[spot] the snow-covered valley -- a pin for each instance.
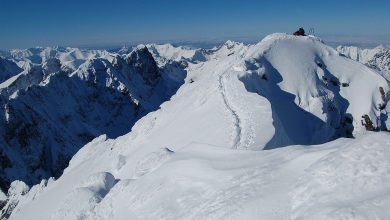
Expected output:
(283, 129)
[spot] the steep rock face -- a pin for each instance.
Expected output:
(8, 69)
(143, 62)
(49, 112)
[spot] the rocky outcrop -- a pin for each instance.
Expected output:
(143, 62)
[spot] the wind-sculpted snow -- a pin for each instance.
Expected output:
(200, 155)
(349, 183)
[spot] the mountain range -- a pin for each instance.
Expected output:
(288, 128)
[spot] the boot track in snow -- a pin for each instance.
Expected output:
(236, 119)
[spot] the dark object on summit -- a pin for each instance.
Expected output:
(300, 32)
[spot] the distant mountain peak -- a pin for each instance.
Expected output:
(192, 134)
(143, 62)
(377, 58)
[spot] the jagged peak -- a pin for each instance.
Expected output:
(142, 60)
(140, 55)
(140, 51)
(140, 47)
(97, 63)
(231, 44)
(92, 66)
(117, 59)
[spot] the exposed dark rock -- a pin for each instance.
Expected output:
(383, 95)
(368, 123)
(8, 69)
(143, 62)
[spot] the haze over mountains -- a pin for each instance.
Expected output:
(287, 128)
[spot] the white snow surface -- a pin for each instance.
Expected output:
(200, 155)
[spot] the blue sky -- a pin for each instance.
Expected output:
(27, 23)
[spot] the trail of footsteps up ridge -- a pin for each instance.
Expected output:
(236, 118)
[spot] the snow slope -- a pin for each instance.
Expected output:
(194, 158)
(343, 179)
(336, 92)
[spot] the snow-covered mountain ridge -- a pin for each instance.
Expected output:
(70, 58)
(49, 111)
(200, 155)
(377, 58)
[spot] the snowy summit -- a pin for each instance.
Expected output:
(288, 128)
